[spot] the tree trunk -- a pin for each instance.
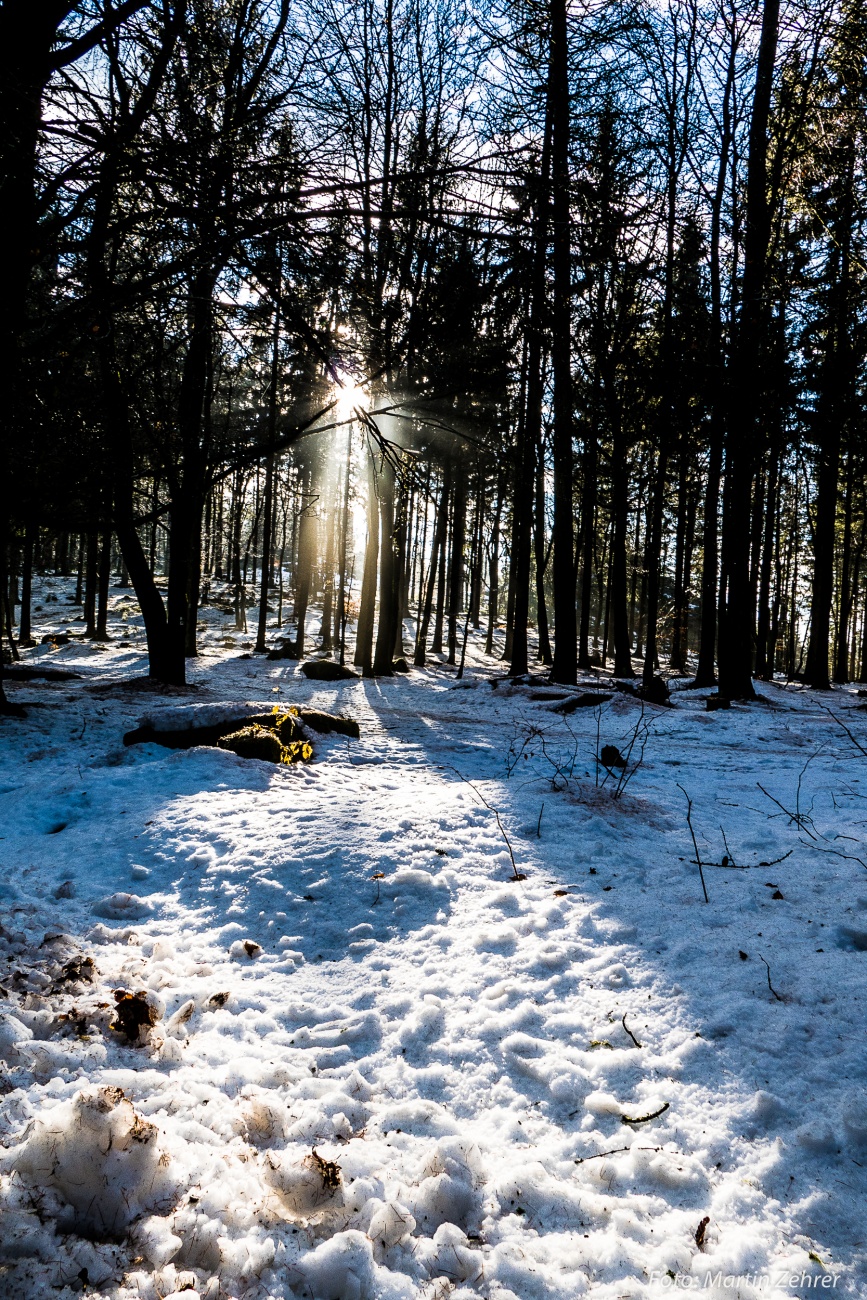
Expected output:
(389, 596)
(367, 609)
(104, 577)
(25, 637)
(91, 582)
(736, 629)
(456, 575)
(565, 666)
(494, 570)
(440, 528)
(268, 525)
(540, 553)
(340, 620)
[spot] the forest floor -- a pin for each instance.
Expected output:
(588, 1080)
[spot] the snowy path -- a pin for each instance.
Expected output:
(457, 1047)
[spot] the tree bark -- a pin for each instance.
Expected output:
(367, 609)
(744, 387)
(565, 666)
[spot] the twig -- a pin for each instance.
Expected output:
(770, 985)
(730, 857)
(806, 825)
(642, 730)
(729, 864)
(618, 1151)
(516, 874)
(642, 1119)
(628, 1030)
(539, 823)
(698, 860)
(800, 819)
(839, 723)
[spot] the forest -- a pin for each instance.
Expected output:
(544, 319)
(433, 638)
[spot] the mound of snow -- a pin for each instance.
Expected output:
(449, 1189)
(102, 1158)
(123, 907)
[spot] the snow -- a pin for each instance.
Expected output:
(385, 1068)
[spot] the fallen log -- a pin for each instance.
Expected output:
(288, 726)
(589, 700)
(24, 673)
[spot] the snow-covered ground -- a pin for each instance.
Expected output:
(434, 1079)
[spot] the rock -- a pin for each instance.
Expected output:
(284, 651)
(656, 692)
(253, 742)
(326, 670)
(325, 723)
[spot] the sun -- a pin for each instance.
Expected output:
(350, 398)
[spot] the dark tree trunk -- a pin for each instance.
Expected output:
(541, 557)
(565, 666)
(494, 570)
(618, 585)
(653, 565)
(367, 609)
(834, 408)
(25, 637)
(401, 536)
(340, 618)
(738, 616)
(677, 658)
(456, 575)
(530, 416)
(268, 526)
(91, 580)
(764, 645)
(437, 547)
(436, 645)
(104, 577)
(389, 594)
(306, 548)
(589, 491)
(844, 611)
(328, 581)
